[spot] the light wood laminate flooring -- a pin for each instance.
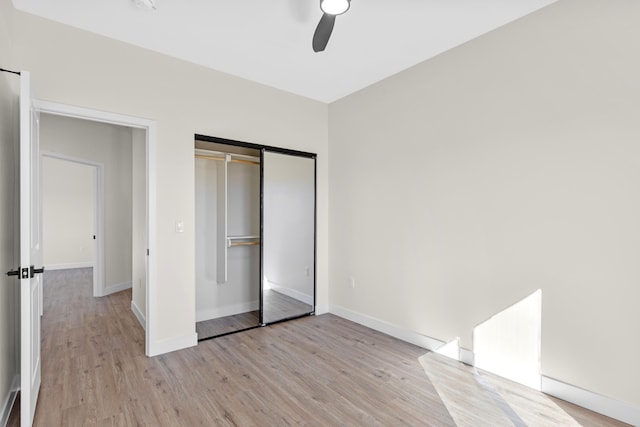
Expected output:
(315, 371)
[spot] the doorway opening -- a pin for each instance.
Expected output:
(137, 223)
(72, 215)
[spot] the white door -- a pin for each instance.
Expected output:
(30, 254)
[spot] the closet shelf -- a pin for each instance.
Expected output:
(242, 241)
(231, 244)
(228, 157)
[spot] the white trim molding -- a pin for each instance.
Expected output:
(613, 408)
(9, 400)
(68, 266)
(322, 309)
(424, 341)
(112, 289)
(139, 315)
(395, 331)
(168, 345)
(467, 356)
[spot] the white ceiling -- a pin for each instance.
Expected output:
(269, 41)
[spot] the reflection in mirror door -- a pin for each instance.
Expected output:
(288, 236)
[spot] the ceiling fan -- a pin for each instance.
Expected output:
(330, 9)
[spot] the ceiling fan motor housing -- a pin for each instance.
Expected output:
(335, 7)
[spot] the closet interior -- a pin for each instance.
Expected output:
(255, 235)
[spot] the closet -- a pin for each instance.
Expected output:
(255, 221)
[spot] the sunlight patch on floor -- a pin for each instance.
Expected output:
(474, 397)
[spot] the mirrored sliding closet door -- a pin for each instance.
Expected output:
(255, 220)
(288, 235)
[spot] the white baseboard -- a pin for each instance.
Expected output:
(9, 400)
(450, 349)
(292, 293)
(172, 344)
(229, 310)
(424, 341)
(466, 356)
(622, 411)
(322, 309)
(395, 331)
(112, 289)
(138, 313)
(68, 266)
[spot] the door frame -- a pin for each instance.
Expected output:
(98, 216)
(150, 128)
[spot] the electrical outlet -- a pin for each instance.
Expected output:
(352, 282)
(306, 271)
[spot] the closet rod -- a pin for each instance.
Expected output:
(222, 154)
(248, 162)
(221, 159)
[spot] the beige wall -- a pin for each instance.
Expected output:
(110, 146)
(9, 84)
(79, 68)
(509, 164)
(68, 198)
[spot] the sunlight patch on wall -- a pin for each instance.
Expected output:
(508, 343)
(450, 349)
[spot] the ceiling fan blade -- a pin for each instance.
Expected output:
(323, 32)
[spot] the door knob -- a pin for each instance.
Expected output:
(22, 273)
(15, 272)
(33, 271)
